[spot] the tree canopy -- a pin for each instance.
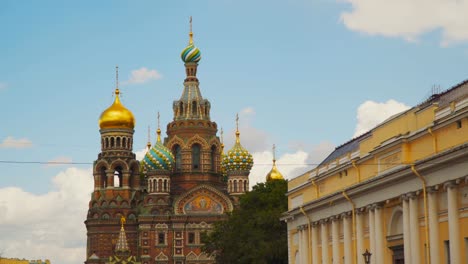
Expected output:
(253, 232)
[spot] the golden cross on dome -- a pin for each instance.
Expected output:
(149, 138)
(237, 121)
(191, 33)
(158, 119)
(274, 153)
(117, 91)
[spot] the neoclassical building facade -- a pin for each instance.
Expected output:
(181, 187)
(399, 191)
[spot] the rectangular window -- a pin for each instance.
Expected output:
(161, 238)
(466, 246)
(191, 238)
(447, 251)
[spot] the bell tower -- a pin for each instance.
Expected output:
(116, 181)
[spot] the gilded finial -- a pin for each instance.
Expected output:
(237, 128)
(274, 154)
(122, 221)
(159, 129)
(148, 144)
(190, 33)
(117, 92)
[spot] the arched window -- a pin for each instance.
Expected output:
(194, 108)
(235, 186)
(181, 108)
(176, 151)
(118, 177)
(112, 142)
(196, 156)
(159, 185)
(124, 142)
(165, 186)
(107, 142)
(213, 158)
(118, 142)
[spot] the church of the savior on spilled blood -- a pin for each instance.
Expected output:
(154, 210)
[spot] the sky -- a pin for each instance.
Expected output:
(306, 75)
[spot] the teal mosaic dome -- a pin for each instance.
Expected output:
(190, 54)
(237, 158)
(158, 157)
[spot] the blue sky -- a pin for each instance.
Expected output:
(298, 72)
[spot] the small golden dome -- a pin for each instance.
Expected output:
(116, 116)
(274, 174)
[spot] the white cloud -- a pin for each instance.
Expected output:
(140, 154)
(289, 164)
(409, 19)
(47, 225)
(11, 142)
(58, 161)
(317, 153)
(143, 75)
(370, 114)
(3, 86)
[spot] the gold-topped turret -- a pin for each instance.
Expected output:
(274, 174)
(117, 116)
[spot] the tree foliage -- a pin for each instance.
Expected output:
(253, 232)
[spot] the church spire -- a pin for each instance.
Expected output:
(122, 244)
(191, 104)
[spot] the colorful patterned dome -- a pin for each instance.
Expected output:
(190, 54)
(237, 158)
(116, 116)
(158, 157)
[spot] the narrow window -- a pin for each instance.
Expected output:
(196, 156)
(459, 124)
(191, 238)
(181, 108)
(112, 142)
(118, 142)
(194, 108)
(161, 238)
(176, 151)
(165, 186)
(213, 158)
(235, 186)
(124, 142)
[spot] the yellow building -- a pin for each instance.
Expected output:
(399, 191)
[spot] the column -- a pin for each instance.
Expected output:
(110, 179)
(379, 240)
(372, 234)
(305, 245)
(347, 237)
(433, 225)
(360, 236)
(406, 229)
(414, 229)
(453, 222)
(336, 240)
(314, 239)
(324, 237)
(301, 245)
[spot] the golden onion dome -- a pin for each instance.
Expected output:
(274, 174)
(117, 116)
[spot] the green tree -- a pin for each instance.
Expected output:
(253, 232)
